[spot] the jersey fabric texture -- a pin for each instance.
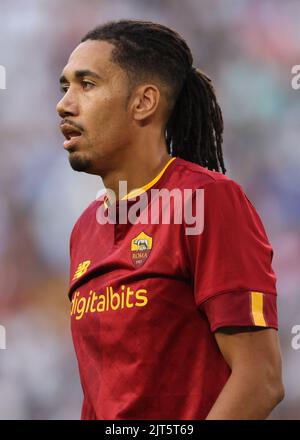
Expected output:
(146, 299)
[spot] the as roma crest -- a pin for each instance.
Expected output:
(141, 247)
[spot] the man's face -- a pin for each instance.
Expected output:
(95, 120)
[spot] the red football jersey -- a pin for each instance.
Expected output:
(146, 299)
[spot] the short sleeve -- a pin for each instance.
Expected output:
(231, 261)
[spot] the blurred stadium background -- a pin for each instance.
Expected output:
(248, 47)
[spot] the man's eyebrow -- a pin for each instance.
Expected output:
(79, 74)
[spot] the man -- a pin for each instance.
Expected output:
(166, 324)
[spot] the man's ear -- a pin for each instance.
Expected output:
(145, 101)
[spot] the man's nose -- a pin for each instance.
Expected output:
(67, 105)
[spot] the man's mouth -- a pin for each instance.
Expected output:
(71, 133)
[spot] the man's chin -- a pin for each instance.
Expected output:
(79, 163)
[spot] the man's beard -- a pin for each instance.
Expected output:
(79, 162)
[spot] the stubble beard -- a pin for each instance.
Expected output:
(79, 162)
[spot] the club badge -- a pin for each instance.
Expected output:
(141, 247)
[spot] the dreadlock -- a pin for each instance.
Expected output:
(194, 126)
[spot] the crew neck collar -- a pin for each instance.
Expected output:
(154, 183)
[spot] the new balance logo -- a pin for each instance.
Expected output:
(81, 269)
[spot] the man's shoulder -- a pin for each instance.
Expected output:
(191, 175)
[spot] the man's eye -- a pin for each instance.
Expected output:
(64, 88)
(87, 85)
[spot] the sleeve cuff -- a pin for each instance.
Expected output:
(241, 308)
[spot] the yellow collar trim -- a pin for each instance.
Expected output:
(138, 191)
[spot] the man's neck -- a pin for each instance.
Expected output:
(136, 172)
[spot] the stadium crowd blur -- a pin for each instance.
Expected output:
(248, 48)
